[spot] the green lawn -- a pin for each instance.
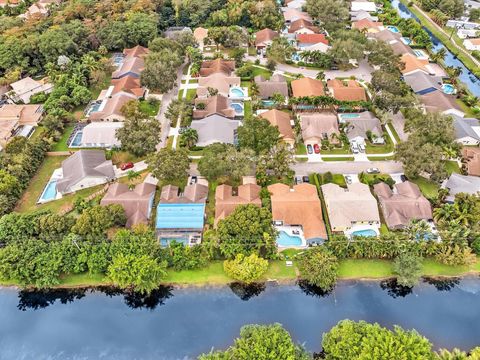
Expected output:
(248, 111)
(427, 187)
(62, 145)
(452, 167)
(380, 149)
(384, 229)
(148, 108)
(191, 93)
(343, 158)
(169, 142)
(364, 268)
(301, 149)
(263, 72)
(336, 151)
(369, 179)
(394, 132)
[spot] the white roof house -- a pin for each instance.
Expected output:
(367, 6)
(101, 135)
(23, 89)
(460, 24)
(472, 44)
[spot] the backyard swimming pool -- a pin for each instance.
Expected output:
(393, 29)
(49, 193)
(347, 116)
(238, 108)
(286, 240)
(237, 92)
(448, 89)
(77, 139)
(268, 103)
(366, 232)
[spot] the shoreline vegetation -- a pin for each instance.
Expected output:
(213, 274)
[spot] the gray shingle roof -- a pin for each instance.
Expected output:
(420, 81)
(463, 127)
(215, 129)
(457, 183)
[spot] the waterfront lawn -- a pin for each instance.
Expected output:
(365, 268)
(213, 274)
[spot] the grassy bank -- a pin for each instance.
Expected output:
(214, 274)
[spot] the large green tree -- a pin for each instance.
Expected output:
(160, 70)
(169, 165)
(246, 269)
(248, 230)
(331, 14)
(319, 267)
(257, 134)
(408, 268)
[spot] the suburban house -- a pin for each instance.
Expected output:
(461, 24)
(471, 155)
(216, 129)
(295, 4)
(18, 120)
(368, 6)
(352, 209)
(84, 169)
(302, 26)
(402, 204)
(181, 215)
(218, 104)
(40, 8)
(277, 84)
(358, 128)
(457, 183)
(298, 208)
(290, 15)
(312, 42)
(360, 15)
(437, 101)
(307, 87)
(472, 44)
(129, 84)
(98, 135)
(414, 64)
(464, 33)
(218, 81)
(131, 66)
(227, 199)
(467, 130)
(349, 90)
(264, 38)
(210, 67)
(200, 34)
(173, 32)
(319, 126)
(422, 83)
(136, 202)
(110, 107)
(283, 122)
(368, 25)
(22, 90)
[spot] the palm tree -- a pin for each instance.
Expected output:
(418, 230)
(190, 137)
(444, 213)
(439, 55)
(320, 76)
(131, 176)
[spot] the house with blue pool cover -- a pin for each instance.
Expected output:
(181, 214)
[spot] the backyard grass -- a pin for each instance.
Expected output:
(364, 268)
(383, 229)
(343, 158)
(248, 110)
(121, 157)
(260, 71)
(149, 109)
(39, 130)
(427, 187)
(61, 145)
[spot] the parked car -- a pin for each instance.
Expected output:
(403, 178)
(309, 149)
(373, 171)
(306, 179)
(298, 180)
(193, 180)
(126, 166)
(355, 150)
(348, 179)
(316, 148)
(361, 147)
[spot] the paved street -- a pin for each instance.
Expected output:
(347, 167)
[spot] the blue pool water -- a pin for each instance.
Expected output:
(393, 29)
(406, 40)
(237, 92)
(349, 116)
(448, 89)
(367, 232)
(237, 107)
(285, 240)
(268, 103)
(49, 192)
(77, 139)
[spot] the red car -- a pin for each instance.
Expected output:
(316, 148)
(126, 166)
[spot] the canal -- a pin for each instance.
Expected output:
(467, 78)
(182, 323)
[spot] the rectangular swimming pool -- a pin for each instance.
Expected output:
(50, 192)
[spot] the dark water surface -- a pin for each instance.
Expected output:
(467, 78)
(181, 323)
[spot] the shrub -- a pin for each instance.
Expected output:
(246, 269)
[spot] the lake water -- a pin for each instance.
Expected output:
(181, 323)
(467, 78)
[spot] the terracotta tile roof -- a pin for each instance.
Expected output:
(281, 120)
(128, 84)
(200, 33)
(472, 156)
(136, 51)
(366, 24)
(403, 204)
(226, 201)
(210, 67)
(130, 66)
(276, 84)
(351, 92)
(12, 116)
(413, 63)
(299, 205)
(294, 14)
(113, 107)
(302, 24)
(311, 39)
(265, 35)
(474, 41)
(217, 104)
(307, 87)
(136, 202)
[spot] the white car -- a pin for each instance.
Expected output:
(373, 171)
